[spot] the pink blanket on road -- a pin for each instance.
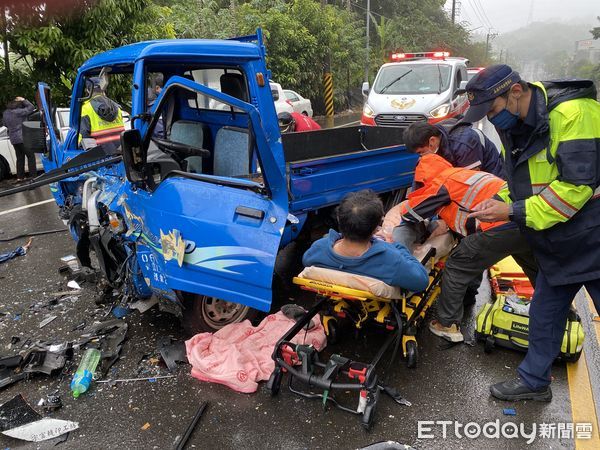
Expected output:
(239, 355)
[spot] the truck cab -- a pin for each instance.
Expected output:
(205, 193)
(414, 87)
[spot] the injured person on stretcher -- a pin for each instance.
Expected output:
(355, 250)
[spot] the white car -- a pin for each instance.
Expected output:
(300, 104)
(281, 103)
(8, 159)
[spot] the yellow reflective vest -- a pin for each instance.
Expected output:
(553, 181)
(101, 130)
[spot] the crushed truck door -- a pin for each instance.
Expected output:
(213, 234)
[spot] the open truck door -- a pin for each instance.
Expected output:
(47, 109)
(212, 234)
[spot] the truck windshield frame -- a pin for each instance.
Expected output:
(414, 79)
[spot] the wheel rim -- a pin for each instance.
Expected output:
(218, 313)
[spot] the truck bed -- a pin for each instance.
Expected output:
(325, 165)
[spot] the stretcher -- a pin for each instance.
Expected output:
(504, 321)
(357, 302)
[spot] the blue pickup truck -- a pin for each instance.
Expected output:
(205, 191)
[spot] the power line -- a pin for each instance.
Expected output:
(483, 13)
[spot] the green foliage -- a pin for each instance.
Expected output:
(301, 36)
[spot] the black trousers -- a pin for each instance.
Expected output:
(21, 153)
(474, 254)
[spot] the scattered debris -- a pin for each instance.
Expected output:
(19, 251)
(145, 426)
(172, 352)
(51, 402)
(47, 320)
(127, 380)
(509, 412)
(73, 284)
(190, 428)
(83, 375)
(144, 305)
(387, 445)
(19, 420)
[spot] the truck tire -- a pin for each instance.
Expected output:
(4, 169)
(209, 314)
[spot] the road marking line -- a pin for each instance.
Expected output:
(583, 409)
(346, 124)
(8, 211)
(582, 401)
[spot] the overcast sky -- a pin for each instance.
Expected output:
(507, 15)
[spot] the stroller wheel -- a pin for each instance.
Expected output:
(489, 345)
(274, 382)
(412, 354)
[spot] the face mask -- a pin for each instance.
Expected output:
(505, 120)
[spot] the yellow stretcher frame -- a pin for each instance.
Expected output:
(376, 307)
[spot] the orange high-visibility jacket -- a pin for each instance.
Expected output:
(449, 192)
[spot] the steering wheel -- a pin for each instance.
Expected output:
(179, 150)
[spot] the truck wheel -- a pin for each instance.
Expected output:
(210, 314)
(4, 169)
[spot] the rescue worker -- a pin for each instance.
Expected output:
(550, 133)
(101, 121)
(451, 193)
(460, 144)
(296, 122)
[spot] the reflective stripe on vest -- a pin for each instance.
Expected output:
(101, 130)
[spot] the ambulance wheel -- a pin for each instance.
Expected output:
(489, 344)
(274, 382)
(333, 331)
(412, 354)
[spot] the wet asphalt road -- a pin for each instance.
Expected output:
(449, 384)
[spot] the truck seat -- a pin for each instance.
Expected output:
(191, 133)
(232, 154)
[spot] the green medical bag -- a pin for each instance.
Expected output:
(496, 326)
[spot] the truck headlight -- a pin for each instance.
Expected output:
(440, 111)
(368, 111)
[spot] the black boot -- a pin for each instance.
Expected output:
(517, 390)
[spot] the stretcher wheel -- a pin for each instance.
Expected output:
(489, 344)
(412, 354)
(333, 331)
(369, 412)
(274, 382)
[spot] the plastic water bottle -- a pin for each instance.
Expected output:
(83, 377)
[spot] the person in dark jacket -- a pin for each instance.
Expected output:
(15, 114)
(355, 250)
(460, 144)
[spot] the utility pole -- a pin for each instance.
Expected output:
(487, 42)
(368, 23)
(453, 11)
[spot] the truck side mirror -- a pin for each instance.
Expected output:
(365, 88)
(133, 156)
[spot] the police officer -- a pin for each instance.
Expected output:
(550, 133)
(101, 120)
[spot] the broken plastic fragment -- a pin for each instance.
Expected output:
(47, 320)
(42, 430)
(73, 284)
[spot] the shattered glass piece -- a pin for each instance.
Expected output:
(16, 412)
